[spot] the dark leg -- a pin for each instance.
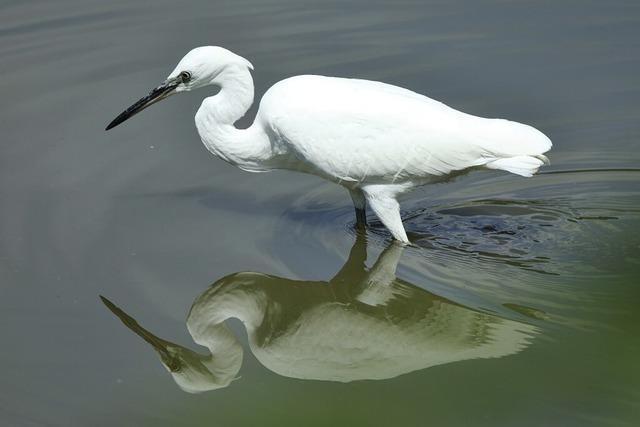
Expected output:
(360, 204)
(361, 218)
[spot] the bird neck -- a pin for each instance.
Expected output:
(248, 149)
(231, 297)
(198, 372)
(206, 324)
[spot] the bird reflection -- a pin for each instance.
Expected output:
(362, 324)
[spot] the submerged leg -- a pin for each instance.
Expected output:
(359, 202)
(382, 200)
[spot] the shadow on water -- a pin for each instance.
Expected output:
(546, 224)
(361, 324)
(498, 243)
(499, 221)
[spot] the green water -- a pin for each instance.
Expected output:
(516, 306)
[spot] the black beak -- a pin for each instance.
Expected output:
(161, 92)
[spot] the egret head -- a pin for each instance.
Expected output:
(196, 373)
(200, 67)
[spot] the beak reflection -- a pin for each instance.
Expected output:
(160, 345)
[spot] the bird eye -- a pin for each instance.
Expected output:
(185, 76)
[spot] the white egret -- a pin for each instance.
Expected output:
(374, 139)
(362, 324)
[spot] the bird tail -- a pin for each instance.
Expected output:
(520, 165)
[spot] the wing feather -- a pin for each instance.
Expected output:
(360, 130)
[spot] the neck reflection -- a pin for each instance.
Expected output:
(361, 324)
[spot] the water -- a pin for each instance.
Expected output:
(516, 306)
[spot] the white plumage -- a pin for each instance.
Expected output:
(375, 139)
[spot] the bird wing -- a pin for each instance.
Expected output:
(365, 131)
(336, 342)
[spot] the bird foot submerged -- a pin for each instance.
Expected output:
(361, 219)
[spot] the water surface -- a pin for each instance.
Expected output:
(517, 305)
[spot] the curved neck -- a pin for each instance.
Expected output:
(235, 96)
(207, 328)
(234, 296)
(248, 149)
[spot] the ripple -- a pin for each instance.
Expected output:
(516, 243)
(518, 228)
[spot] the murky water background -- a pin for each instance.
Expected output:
(540, 275)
